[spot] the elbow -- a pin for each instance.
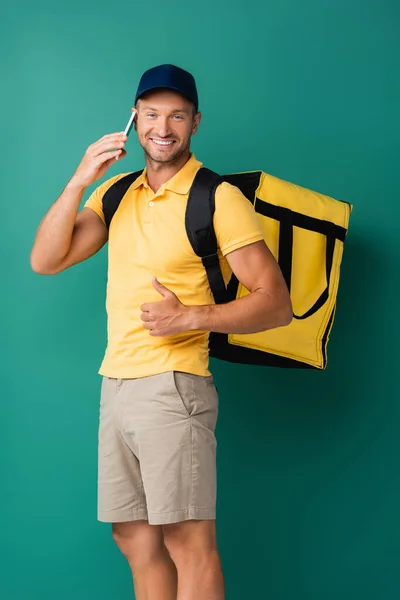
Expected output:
(286, 315)
(283, 314)
(39, 267)
(277, 312)
(286, 312)
(40, 270)
(284, 309)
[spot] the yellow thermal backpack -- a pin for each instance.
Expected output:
(304, 230)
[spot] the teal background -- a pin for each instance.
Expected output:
(309, 484)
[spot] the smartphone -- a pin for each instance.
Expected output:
(128, 128)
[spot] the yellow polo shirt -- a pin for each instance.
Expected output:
(147, 238)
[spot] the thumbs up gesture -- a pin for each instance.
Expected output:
(168, 316)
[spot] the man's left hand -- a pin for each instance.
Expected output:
(166, 317)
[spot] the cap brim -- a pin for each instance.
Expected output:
(164, 87)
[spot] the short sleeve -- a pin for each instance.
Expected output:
(235, 221)
(95, 200)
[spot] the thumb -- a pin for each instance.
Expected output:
(161, 289)
(111, 161)
(123, 153)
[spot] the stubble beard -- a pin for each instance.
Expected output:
(172, 159)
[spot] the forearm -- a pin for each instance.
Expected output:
(255, 312)
(54, 234)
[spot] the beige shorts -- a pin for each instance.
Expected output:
(157, 449)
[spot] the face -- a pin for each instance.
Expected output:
(165, 123)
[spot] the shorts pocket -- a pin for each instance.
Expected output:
(184, 388)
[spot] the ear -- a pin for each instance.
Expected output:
(196, 122)
(134, 108)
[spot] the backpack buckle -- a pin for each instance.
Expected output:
(210, 260)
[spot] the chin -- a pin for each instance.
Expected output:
(162, 157)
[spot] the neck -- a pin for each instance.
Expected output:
(159, 173)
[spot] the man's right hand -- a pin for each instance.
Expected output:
(99, 157)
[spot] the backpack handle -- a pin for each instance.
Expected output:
(288, 219)
(285, 254)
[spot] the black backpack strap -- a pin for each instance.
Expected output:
(200, 229)
(114, 195)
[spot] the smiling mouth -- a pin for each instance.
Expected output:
(162, 143)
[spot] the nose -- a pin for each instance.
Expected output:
(163, 127)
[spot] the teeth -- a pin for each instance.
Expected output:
(162, 143)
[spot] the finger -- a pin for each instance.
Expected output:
(110, 136)
(146, 307)
(110, 161)
(145, 316)
(108, 156)
(161, 289)
(103, 143)
(121, 155)
(148, 325)
(107, 146)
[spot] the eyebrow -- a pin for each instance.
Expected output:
(177, 110)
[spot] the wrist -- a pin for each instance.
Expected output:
(76, 185)
(198, 317)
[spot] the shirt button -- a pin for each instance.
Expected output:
(151, 203)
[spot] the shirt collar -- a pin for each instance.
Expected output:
(180, 183)
(141, 180)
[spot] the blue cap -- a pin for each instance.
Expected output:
(170, 77)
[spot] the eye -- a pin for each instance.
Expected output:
(178, 117)
(151, 115)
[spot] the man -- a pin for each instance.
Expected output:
(157, 448)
